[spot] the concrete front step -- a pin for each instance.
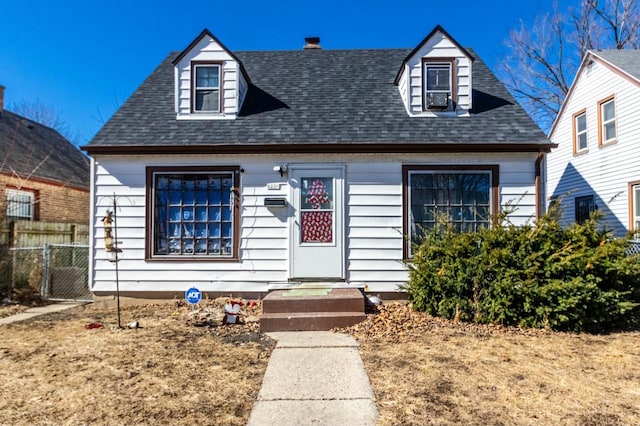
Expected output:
(312, 321)
(311, 309)
(313, 300)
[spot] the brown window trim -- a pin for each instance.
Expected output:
(36, 200)
(574, 117)
(601, 142)
(454, 75)
(631, 203)
(149, 256)
(495, 192)
(193, 87)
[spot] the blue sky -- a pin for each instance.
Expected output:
(85, 58)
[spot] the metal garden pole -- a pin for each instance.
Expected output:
(115, 249)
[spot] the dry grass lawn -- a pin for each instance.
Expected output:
(184, 368)
(8, 310)
(176, 369)
(429, 371)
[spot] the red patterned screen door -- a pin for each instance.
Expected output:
(317, 249)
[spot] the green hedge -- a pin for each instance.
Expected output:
(538, 275)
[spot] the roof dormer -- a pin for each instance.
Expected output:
(210, 81)
(435, 78)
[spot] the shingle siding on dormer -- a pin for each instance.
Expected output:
(233, 84)
(411, 82)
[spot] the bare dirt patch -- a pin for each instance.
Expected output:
(179, 367)
(430, 371)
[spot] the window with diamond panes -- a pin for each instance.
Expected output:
(194, 214)
(461, 199)
(316, 210)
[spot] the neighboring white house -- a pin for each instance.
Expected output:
(237, 172)
(597, 129)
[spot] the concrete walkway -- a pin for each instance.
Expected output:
(314, 378)
(41, 310)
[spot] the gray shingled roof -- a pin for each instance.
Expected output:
(627, 60)
(31, 149)
(318, 96)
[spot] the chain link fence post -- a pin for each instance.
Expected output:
(45, 271)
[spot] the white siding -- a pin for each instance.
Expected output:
(232, 89)
(603, 171)
(403, 87)
(439, 46)
(374, 225)
(373, 219)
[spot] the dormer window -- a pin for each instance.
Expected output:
(210, 81)
(438, 84)
(206, 87)
(434, 85)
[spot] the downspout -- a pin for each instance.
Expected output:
(539, 194)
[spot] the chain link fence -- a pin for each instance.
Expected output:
(65, 272)
(52, 272)
(634, 247)
(22, 272)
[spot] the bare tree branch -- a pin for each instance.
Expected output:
(543, 59)
(46, 115)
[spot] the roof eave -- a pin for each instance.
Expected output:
(312, 148)
(589, 56)
(48, 181)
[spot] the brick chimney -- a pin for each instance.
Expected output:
(312, 43)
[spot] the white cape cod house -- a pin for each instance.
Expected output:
(596, 130)
(237, 172)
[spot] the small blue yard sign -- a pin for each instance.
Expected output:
(192, 296)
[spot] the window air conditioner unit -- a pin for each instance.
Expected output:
(437, 100)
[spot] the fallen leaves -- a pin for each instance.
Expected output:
(398, 322)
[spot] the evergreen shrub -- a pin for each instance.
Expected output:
(538, 275)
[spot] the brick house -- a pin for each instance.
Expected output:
(43, 176)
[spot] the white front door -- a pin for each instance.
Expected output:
(317, 232)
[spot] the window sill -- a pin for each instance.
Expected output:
(580, 153)
(206, 116)
(192, 259)
(435, 113)
(608, 143)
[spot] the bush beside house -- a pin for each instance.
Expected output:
(539, 275)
